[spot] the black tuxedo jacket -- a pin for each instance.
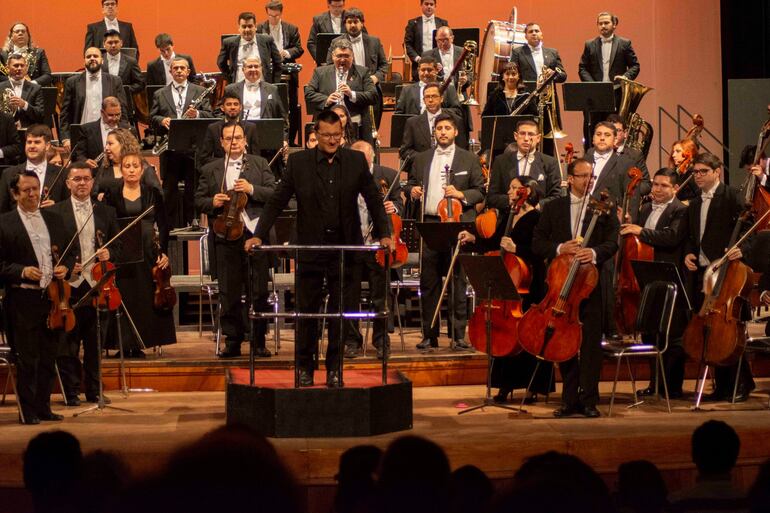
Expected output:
(95, 35)
(324, 82)
(505, 168)
(667, 238)
(211, 149)
(724, 209)
(156, 75)
(227, 61)
(409, 101)
(417, 137)
(322, 24)
(635, 158)
(105, 220)
(413, 39)
(58, 191)
(163, 105)
(10, 143)
(436, 55)
(465, 175)
(555, 227)
(271, 106)
(291, 40)
(615, 179)
(33, 94)
(75, 98)
(91, 145)
(623, 60)
(387, 174)
(40, 73)
(374, 55)
(522, 56)
(302, 179)
(129, 73)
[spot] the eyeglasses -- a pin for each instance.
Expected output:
(701, 171)
(237, 138)
(583, 176)
(329, 137)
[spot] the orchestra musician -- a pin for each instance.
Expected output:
(121, 65)
(427, 183)
(760, 170)
(211, 149)
(143, 326)
(604, 58)
(506, 96)
(27, 99)
(95, 132)
(120, 141)
(259, 99)
(677, 157)
(711, 218)
(20, 41)
(411, 99)
(527, 162)
(27, 235)
(84, 92)
(95, 31)
(419, 130)
(418, 34)
(311, 140)
(329, 22)
(37, 143)
(562, 224)
(446, 54)
(159, 70)
(10, 144)
(635, 157)
(82, 212)
(236, 49)
(247, 174)
(349, 130)
(327, 181)
(662, 224)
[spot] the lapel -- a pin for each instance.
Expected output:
(457, 163)
(326, 23)
(665, 216)
(107, 84)
(26, 89)
(169, 96)
(715, 206)
(24, 236)
(219, 177)
(50, 175)
(613, 52)
(418, 33)
(424, 129)
(122, 65)
(598, 51)
(605, 174)
(530, 59)
(262, 99)
(80, 91)
(565, 215)
(644, 213)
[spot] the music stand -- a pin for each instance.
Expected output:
(506, 126)
(397, 124)
(322, 43)
(187, 134)
(270, 133)
(488, 274)
(589, 96)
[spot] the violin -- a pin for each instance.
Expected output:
(449, 209)
(109, 297)
(505, 314)
(400, 251)
(551, 330)
(627, 292)
(164, 297)
(61, 316)
(229, 223)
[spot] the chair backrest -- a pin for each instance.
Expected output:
(656, 308)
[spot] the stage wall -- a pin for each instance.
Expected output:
(678, 43)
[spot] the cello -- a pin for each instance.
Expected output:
(505, 314)
(61, 316)
(627, 292)
(109, 297)
(551, 330)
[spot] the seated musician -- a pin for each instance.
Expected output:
(96, 31)
(662, 224)
(429, 184)
(211, 149)
(311, 138)
(681, 158)
(95, 132)
(512, 372)
(27, 97)
(446, 54)
(120, 141)
(559, 231)
(10, 144)
(506, 97)
(633, 155)
(250, 175)
(411, 99)
(235, 50)
(761, 169)
(20, 41)
(349, 129)
(159, 70)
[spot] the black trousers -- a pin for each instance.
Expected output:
(310, 279)
(176, 167)
(70, 367)
(36, 347)
(370, 271)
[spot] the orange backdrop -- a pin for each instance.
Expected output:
(680, 61)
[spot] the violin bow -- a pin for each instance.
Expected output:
(446, 282)
(44, 197)
(72, 240)
(576, 229)
(119, 234)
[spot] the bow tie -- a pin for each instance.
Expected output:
(93, 76)
(600, 156)
(31, 215)
(659, 206)
(427, 20)
(247, 44)
(356, 40)
(37, 169)
(706, 195)
(252, 86)
(83, 207)
(444, 152)
(577, 202)
(14, 83)
(607, 41)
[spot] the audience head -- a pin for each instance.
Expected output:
(357, 477)
(759, 494)
(469, 490)
(641, 488)
(715, 448)
(52, 463)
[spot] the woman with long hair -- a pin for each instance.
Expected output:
(120, 141)
(682, 154)
(19, 41)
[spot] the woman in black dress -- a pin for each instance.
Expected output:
(120, 141)
(506, 97)
(129, 197)
(20, 41)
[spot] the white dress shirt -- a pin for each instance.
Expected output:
(83, 216)
(111, 24)
(39, 170)
(179, 93)
(359, 56)
(277, 33)
(600, 160)
(252, 100)
(113, 64)
(428, 26)
(442, 157)
(92, 109)
(525, 165)
(41, 243)
(606, 53)
(577, 212)
(336, 23)
(167, 68)
(704, 211)
(537, 56)
(432, 124)
(246, 49)
(447, 60)
(657, 211)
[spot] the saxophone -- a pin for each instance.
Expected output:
(162, 144)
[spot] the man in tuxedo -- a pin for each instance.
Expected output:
(123, 66)
(236, 49)
(711, 219)
(95, 31)
(342, 82)
(81, 212)
(94, 134)
(526, 161)
(247, 174)
(418, 34)
(10, 144)
(428, 183)
(27, 234)
(329, 22)
(446, 53)
(211, 149)
(634, 156)
(27, 99)
(159, 70)
(173, 102)
(84, 92)
(411, 102)
(559, 231)
(604, 58)
(419, 130)
(259, 99)
(372, 272)
(36, 146)
(327, 181)
(662, 224)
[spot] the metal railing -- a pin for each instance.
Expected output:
(681, 130)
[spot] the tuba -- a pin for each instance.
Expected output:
(640, 132)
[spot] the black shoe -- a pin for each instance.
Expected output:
(305, 378)
(715, 397)
(646, 392)
(231, 352)
(502, 396)
(461, 345)
(136, 353)
(30, 420)
(565, 411)
(333, 379)
(95, 399)
(382, 350)
(353, 351)
(590, 412)
(262, 352)
(427, 343)
(49, 415)
(72, 401)
(741, 395)
(532, 399)
(676, 394)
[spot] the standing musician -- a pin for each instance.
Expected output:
(95, 31)
(120, 65)
(36, 146)
(526, 162)
(173, 102)
(120, 141)
(559, 231)
(329, 22)
(681, 158)
(20, 41)
(327, 181)
(248, 43)
(711, 219)
(372, 272)
(159, 70)
(427, 183)
(84, 92)
(411, 99)
(634, 156)
(27, 99)
(419, 131)
(506, 97)
(211, 149)
(662, 224)
(418, 34)
(604, 58)
(259, 99)
(10, 144)
(81, 212)
(248, 174)
(446, 54)
(27, 235)
(95, 132)
(762, 168)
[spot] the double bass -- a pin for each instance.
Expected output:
(758, 197)
(505, 315)
(551, 330)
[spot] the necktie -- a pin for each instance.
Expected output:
(180, 102)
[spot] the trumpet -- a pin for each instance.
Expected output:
(162, 144)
